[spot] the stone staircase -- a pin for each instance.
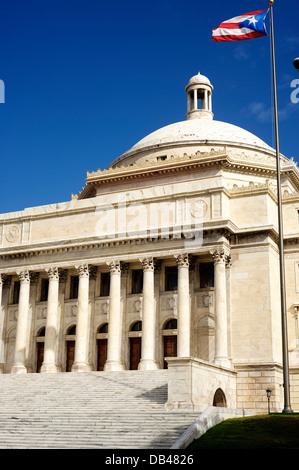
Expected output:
(99, 410)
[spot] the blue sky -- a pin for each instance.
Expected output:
(85, 80)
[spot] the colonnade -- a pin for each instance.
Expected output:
(114, 359)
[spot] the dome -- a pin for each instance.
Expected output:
(199, 80)
(199, 132)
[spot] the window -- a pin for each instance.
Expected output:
(103, 328)
(71, 330)
(206, 275)
(137, 326)
(171, 324)
(74, 287)
(44, 290)
(16, 292)
(171, 278)
(105, 284)
(137, 281)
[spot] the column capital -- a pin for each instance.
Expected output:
(124, 268)
(182, 260)
(24, 276)
(115, 267)
(221, 256)
(148, 264)
(83, 270)
(62, 275)
(53, 273)
(5, 280)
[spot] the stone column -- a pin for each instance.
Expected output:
(220, 309)
(115, 320)
(184, 320)
(22, 326)
(195, 99)
(148, 318)
(49, 362)
(82, 328)
(1, 325)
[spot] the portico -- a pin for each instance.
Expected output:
(153, 306)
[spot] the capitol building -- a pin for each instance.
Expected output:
(167, 259)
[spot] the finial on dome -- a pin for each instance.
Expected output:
(199, 94)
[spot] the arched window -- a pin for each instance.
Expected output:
(103, 328)
(219, 398)
(72, 330)
(42, 332)
(137, 326)
(171, 324)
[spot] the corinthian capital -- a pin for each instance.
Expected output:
(182, 260)
(53, 273)
(115, 267)
(220, 256)
(148, 264)
(24, 276)
(83, 270)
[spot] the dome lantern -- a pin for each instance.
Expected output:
(199, 98)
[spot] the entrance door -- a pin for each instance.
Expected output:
(70, 355)
(135, 352)
(102, 353)
(170, 348)
(40, 355)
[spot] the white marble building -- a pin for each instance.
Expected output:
(171, 253)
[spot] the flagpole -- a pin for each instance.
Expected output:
(286, 384)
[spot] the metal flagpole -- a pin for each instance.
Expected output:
(285, 360)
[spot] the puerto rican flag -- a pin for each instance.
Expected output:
(247, 26)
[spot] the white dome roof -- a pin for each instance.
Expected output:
(199, 80)
(197, 131)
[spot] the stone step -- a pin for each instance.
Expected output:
(113, 410)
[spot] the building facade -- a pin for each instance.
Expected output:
(167, 259)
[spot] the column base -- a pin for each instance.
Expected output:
(148, 364)
(18, 369)
(114, 366)
(80, 367)
(48, 368)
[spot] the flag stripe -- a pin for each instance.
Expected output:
(240, 18)
(252, 35)
(230, 31)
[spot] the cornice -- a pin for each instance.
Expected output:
(212, 234)
(226, 159)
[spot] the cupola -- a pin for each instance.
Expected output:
(199, 98)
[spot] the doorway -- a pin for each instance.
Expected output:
(40, 355)
(135, 352)
(102, 353)
(70, 355)
(170, 348)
